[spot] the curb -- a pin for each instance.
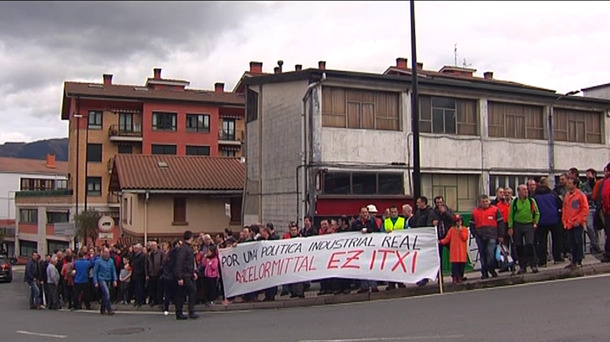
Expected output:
(432, 288)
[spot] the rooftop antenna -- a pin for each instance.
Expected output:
(466, 65)
(455, 54)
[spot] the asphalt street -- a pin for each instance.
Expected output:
(567, 310)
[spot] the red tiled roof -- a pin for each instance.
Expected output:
(137, 92)
(22, 165)
(146, 172)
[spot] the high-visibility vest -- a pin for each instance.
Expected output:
(388, 226)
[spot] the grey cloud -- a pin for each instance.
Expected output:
(117, 29)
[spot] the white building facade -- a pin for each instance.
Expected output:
(325, 142)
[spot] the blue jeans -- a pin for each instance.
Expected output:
(575, 237)
(105, 290)
(34, 294)
(486, 252)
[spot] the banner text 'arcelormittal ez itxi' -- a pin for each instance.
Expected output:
(404, 256)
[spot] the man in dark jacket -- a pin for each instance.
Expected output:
(549, 205)
(138, 263)
(424, 216)
(366, 224)
(184, 272)
(153, 272)
(444, 215)
(32, 277)
(167, 276)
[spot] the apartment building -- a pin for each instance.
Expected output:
(325, 142)
(27, 219)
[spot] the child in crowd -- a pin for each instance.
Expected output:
(125, 279)
(456, 238)
(211, 275)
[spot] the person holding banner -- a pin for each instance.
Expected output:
(366, 224)
(456, 238)
(390, 224)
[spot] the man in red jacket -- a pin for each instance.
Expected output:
(574, 216)
(601, 196)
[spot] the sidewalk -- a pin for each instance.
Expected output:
(590, 266)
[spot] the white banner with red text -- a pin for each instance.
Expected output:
(404, 256)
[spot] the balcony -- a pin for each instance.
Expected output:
(230, 138)
(8, 232)
(113, 197)
(44, 193)
(124, 134)
(62, 196)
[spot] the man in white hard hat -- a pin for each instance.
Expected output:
(373, 214)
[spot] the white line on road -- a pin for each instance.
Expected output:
(401, 338)
(39, 334)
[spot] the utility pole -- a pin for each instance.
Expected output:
(415, 109)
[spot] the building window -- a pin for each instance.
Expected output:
(94, 152)
(446, 115)
(251, 105)
(460, 191)
(55, 246)
(179, 210)
(26, 248)
(61, 184)
(163, 121)
(197, 150)
(509, 120)
(163, 149)
(577, 126)
(511, 181)
(29, 184)
(94, 186)
(228, 130)
(125, 122)
(361, 109)
(229, 153)
(125, 149)
(95, 119)
(57, 217)
(363, 183)
(28, 215)
(198, 123)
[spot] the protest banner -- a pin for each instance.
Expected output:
(404, 256)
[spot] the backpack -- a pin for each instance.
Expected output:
(532, 208)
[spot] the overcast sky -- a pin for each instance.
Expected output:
(556, 45)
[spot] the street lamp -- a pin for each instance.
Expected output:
(551, 134)
(76, 182)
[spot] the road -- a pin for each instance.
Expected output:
(568, 310)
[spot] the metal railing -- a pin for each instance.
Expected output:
(117, 130)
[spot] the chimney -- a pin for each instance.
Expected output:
(256, 67)
(107, 79)
(279, 64)
(298, 67)
(420, 66)
(50, 161)
(276, 70)
(488, 75)
(322, 65)
(157, 73)
(219, 87)
(401, 63)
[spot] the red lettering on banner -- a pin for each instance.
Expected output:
(385, 255)
(333, 260)
(373, 260)
(349, 259)
(400, 261)
(413, 262)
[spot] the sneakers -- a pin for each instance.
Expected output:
(534, 269)
(493, 273)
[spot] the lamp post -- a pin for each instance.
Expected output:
(415, 109)
(551, 134)
(76, 182)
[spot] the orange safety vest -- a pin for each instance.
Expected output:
(485, 217)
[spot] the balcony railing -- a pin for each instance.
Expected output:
(231, 137)
(8, 232)
(44, 193)
(116, 131)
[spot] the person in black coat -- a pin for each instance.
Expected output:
(138, 263)
(185, 275)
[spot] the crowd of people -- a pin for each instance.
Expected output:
(158, 275)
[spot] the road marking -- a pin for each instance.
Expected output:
(402, 338)
(39, 334)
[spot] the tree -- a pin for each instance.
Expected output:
(86, 225)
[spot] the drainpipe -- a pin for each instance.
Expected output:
(147, 196)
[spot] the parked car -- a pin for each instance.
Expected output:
(6, 269)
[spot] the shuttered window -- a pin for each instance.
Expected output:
(179, 210)
(510, 120)
(577, 126)
(446, 115)
(360, 109)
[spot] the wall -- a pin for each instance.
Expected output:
(9, 184)
(203, 214)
